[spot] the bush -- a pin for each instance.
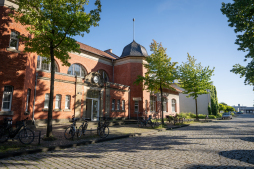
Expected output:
(193, 115)
(219, 115)
(185, 115)
(201, 116)
(212, 116)
(232, 114)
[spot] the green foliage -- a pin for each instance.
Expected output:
(226, 108)
(212, 116)
(240, 15)
(222, 107)
(233, 114)
(214, 101)
(51, 25)
(209, 110)
(194, 79)
(161, 72)
(219, 115)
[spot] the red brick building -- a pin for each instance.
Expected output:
(98, 83)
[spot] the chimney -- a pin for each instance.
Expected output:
(108, 51)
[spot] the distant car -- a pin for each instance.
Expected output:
(226, 116)
(239, 112)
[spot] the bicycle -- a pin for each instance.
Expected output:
(102, 129)
(71, 131)
(142, 122)
(25, 135)
(82, 128)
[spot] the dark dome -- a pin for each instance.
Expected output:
(134, 49)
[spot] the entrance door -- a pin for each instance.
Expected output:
(95, 110)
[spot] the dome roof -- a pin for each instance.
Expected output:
(134, 49)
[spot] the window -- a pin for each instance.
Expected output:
(164, 104)
(136, 106)
(113, 104)
(58, 101)
(123, 104)
(14, 41)
(46, 102)
(118, 105)
(28, 99)
(146, 106)
(77, 70)
(152, 103)
(104, 75)
(67, 102)
(7, 98)
(173, 105)
(41, 64)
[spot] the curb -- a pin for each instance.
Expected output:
(45, 149)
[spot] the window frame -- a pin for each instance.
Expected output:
(14, 38)
(28, 95)
(58, 102)
(7, 93)
(73, 70)
(118, 105)
(103, 74)
(46, 101)
(146, 102)
(136, 103)
(123, 104)
(40, 67)
(67, 102)
(113, 104)
(173, 105)
(152, 103)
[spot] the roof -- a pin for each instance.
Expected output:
(134, 49)
(178, 90)
(95, 51)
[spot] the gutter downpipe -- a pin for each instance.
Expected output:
(36, 76)
(113, 70)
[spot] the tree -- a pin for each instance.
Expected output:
(222, 107)
(194, 79)
(241, 16)
(230, 109)
(161, 72)
(214, 101)
(52, 23)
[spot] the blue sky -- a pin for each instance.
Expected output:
(194, 26)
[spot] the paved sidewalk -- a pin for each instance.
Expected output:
(116, 132)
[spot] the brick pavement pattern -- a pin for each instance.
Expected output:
(219, 144)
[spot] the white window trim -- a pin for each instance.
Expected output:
(123, 104)
(85, 73)
(11, 93)
(135, 106)
(58, 106)
(40, 66)
(67, 100)
(46, 107)
(28, 95)
(174, 105)
(104, 74)
(165, 100)
(153, 104)
(113, 104)
(17, 44)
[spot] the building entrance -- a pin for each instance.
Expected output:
(93, 108)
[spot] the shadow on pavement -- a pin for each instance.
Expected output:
(241, 155)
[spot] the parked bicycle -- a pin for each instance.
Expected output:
(144, 122)
(82, 128)
(72, 130)
(24, 134)
(102, 129)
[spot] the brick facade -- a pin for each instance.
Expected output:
(19, 70)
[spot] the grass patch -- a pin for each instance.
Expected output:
(14, 147)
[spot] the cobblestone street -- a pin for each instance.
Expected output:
(219, 144)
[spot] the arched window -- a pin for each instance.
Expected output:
(41, 64)
(77, 70)
(173, 105)
(104, 75)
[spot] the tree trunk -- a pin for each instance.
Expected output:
(196, 109)
(51, 95)
(162, 119)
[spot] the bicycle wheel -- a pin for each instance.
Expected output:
(69, 133)
(26, 136)
(104, 132)
(140, 124)
(152, 124)
(81, 130)
(4, 135)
